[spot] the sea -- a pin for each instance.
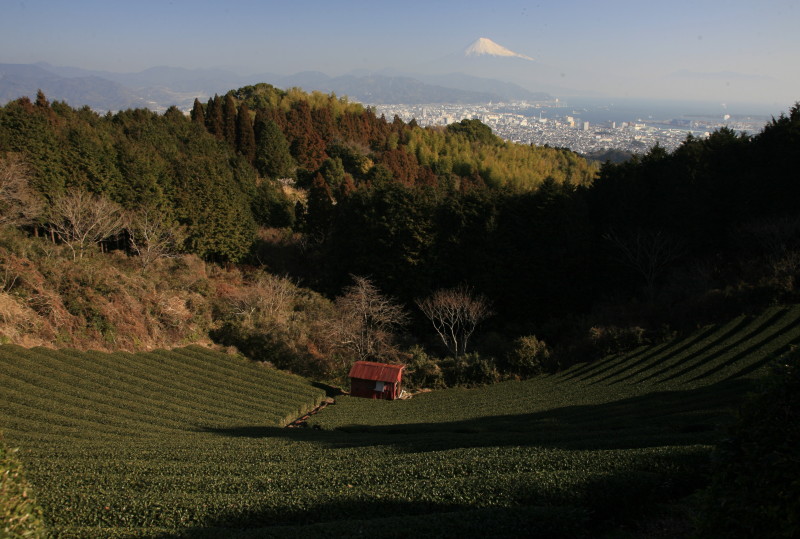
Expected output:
(606, 110)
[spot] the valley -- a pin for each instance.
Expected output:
(120, 445)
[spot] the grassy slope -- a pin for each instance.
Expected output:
(187, 443)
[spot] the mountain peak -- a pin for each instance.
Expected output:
(483, 46)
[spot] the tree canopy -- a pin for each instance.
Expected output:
(541, 232)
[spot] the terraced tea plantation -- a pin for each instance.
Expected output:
(191, 443)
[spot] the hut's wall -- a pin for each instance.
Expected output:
(367, 389)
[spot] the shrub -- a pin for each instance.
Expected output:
(755, 487)
(528, 357)
(469, 370)
(270, 318)
(608, 340)
(423, 371)
(20, 516)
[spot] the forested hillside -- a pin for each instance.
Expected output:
(200, 214)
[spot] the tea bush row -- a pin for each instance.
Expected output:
(578, 453)
(20, 515)
(179, 486)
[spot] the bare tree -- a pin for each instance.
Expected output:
(366, 320)
(154, 235)
(18, 203)
(277, 296)
(648, 253)
(80, 219)
(455, 313)
(270, 299)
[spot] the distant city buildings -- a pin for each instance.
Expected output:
(539, 124)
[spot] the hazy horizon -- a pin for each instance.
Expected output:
(721, 51)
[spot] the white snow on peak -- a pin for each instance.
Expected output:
(486, 47)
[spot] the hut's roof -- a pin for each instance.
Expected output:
(380, 372)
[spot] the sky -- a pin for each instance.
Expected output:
(722, 50)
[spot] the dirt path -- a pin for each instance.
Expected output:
(301, 421)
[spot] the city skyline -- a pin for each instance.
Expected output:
(733, 51)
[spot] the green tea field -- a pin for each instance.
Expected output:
(191, 443)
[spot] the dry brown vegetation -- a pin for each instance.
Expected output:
(101, 301)
(112, 301)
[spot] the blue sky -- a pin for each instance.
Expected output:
(705, 49)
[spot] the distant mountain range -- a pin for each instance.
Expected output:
(158, 88)
(17, 80)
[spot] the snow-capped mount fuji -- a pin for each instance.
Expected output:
(485, 60)
(483, 46)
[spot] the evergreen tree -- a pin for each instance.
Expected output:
(320, 208)
(271, 207)
(214, 117)
(229, 120)
(30, 134)
(245, 136)
(333, 172)
(396, 223)
(41, 100)
(474, 130)
(198, 116)
(272, 156)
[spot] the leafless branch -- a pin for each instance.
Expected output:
(366, 320)
(153, 235)
(269, 300)
(80, 219)
(454, 314)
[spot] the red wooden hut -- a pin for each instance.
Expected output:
(376, 380)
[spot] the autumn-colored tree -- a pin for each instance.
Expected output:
(404, 166)
(426, 177)
(306, 145)
(18, 203)
(347, 187)
(324, 123)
